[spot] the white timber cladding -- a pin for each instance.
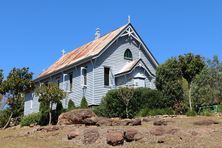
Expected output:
(112, 57)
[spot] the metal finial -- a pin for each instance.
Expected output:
(63, 52)
(97, 34)
(129, 19)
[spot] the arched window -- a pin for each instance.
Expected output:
(128, 55)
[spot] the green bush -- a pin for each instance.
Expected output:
(4, 116)
(84, 103)
(220, 108)
(33, 118)
(71, 105)
(44, 113)
(191, 113)
(206, 112)
(153, 112)
(112, 106)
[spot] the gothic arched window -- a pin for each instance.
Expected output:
(128, 55)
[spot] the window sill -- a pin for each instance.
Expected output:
(107, 86)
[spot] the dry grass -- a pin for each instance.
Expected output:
(180, 132)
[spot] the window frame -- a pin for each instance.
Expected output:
(105, 78)
(128, 54)
(84, 76)
(70, 81)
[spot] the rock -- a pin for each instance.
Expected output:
(90, 121)
(125, 122)
(72, 134)
(114, 137)
(160, 122)
(138, 137)
(104, 122)
(135, 122)
(205, 122)
(116, 121)
(90, 135)
(146, 119)
(158, 131)
(129, 134)
(33, 124)
(48, 128)
(75, 116)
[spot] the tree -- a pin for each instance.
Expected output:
(71, 105)
(207, 86)
(190, 65)
(84, 103)
(169, 82)
(18, 82)
(49, 94)
(1, 76)
(126, 94)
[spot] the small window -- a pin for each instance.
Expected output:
(70, 81)
(84, 76)
(58, 81)
(128, 55)
(106, 76)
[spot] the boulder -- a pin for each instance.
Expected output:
(90, 135)
(90, 121)
(104, 122)
(75, 116)
(135, 122)
(72, 134)
(160, 122)
(125, 122)
(129, 134)
(114, 137)
(158, 131)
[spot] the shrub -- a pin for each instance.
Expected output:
(4, 116)
(191, 113)
(84, 103)
(33, 118)
(206, 112)
(112, 106)
(44, 113)
(71, 105)
(153, 112)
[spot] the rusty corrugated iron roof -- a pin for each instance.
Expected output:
(88, 50)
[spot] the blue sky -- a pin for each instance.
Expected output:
(33, 33)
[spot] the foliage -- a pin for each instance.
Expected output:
(44, 113)
(168, 81)
(113, 106)
(191, 113)
(49, 94)
(18, 82)
(206, 112)
(191, 65)
(4, 115)
(71, 105)
(84, 103)
(1, 78)
(153, 112)
(207, 86)
(33, 118)
(148, 98)
(126, 94)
